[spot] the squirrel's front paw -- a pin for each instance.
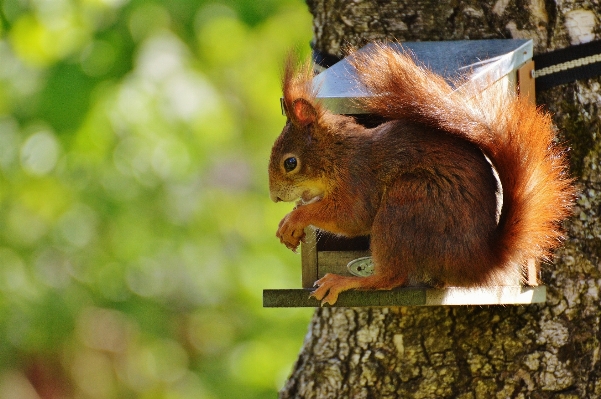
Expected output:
(290, 233)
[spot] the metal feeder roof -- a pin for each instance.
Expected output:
(487, 61)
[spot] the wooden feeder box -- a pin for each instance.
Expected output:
(489, 62)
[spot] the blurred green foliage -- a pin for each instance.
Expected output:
(136, 228)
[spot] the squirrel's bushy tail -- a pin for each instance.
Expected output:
(512, 133)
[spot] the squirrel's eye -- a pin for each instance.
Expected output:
(290, 164)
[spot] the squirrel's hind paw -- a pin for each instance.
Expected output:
(331, 285)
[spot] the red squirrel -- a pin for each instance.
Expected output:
(421, 184)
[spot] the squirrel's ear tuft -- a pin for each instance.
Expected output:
(299, 94)
(303, 112)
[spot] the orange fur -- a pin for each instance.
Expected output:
(512, 132)
(296, 84)
(419, 184)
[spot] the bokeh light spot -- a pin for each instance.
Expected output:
(39, 153)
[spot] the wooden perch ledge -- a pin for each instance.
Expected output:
(410, 296)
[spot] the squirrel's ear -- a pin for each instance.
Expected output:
(303, 112)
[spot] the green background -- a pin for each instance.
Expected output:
(136, 230)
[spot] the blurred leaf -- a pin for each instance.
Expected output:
(137, 230)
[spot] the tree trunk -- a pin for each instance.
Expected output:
(538, 351)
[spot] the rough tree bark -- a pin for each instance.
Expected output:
(538, 351)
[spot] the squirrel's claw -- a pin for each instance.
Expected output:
(323, 298)
(290, 233)
(327, 289)
(290, 243)
(291, 247)
(331, 285)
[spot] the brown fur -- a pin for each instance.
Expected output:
(420, 184)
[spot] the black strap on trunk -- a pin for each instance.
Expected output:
(566, 65)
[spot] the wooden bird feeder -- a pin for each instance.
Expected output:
(489, 62)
